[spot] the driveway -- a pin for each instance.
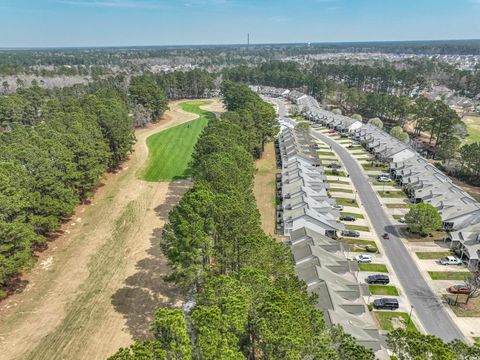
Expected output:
(429, 309)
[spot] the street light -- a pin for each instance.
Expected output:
(410, 315)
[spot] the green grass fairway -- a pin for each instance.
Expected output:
(473, 127)
(170, 151)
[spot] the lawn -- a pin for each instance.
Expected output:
(388, 290)
(338, 182)
(397, 206)
(369, 167)
(357, 216)
(392, 194)
(360, 153)
(357, 227)
(335, 173)
(390, 183)
(448, 275)
(170, 151)
(390, 320)
(346, 202)
(432, 255)
(325, 153)
(471, 309)
(355, 147)
(373, 267)
(397, 217)
(473, 128)
(348, 191)
(358, 245)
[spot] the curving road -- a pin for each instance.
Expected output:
(429, 309)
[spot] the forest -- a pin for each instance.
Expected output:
(56, 146)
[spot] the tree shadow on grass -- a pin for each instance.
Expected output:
(146, 291)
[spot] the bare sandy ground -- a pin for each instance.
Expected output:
(215, 106)
(264, 188)
(97, 286)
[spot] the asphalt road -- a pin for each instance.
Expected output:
(428, 307)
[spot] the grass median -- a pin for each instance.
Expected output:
(390, 320)
(448, 275)
(357, 227)
(388, 290)
(432, 255)
(373, 267)
(355, 215)
(346, 202)
(392, 194)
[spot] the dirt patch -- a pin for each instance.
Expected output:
(215, 106)
(264, 188)
(97, 285)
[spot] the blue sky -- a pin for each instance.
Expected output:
(39, 23)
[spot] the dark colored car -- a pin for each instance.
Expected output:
(347, 218)
(378, 279)
(459, 289)
(350, 233)
(334, 166)
(343, 135)
(386, 303)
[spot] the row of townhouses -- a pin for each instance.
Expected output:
(310, 226)
(421, 180)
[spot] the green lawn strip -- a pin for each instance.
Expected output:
(383, 290)
(360, 153)
(390, 183)
(348, 191)
(346, 202)
(355, 147)
(432, 255)
(170, 151)
(373, 267)
(338, 182)
(335, 173)
(357, 216)
(448, 275)
(392, 194)
(359, 245)
(369, 167)
(385, 319)
(362, 158)
(325, 153)
(397, 206)
(357, 227)
(398, 217)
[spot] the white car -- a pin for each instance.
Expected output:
(450, 260)
(337, 207)
(384, 179)
(363, 259)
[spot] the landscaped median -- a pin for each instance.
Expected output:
(392, 194)
(432, 255)
(388, 290)
(346, 202)
(449, 275)
(373, 267)
(391, 320)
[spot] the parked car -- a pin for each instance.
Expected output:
(334, 166)
(337, 207)
(332, 132)
(402, 220)
(386, 303)
(347, 218)
(350, 233)
(459, 289)
(384, 178)
(363, 259)
(450, 260)
(355, 142)
(344, 135)
(377, 279)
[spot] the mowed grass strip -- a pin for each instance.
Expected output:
(357, 227)
(448, 275)
(356, 216)
(392, 194)
(432, 255)
(346, 202)
(397, 206)
(383, 290)
(338, 182)
(373, 267)
(389, 320)
(348, 191)
(170, 151)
